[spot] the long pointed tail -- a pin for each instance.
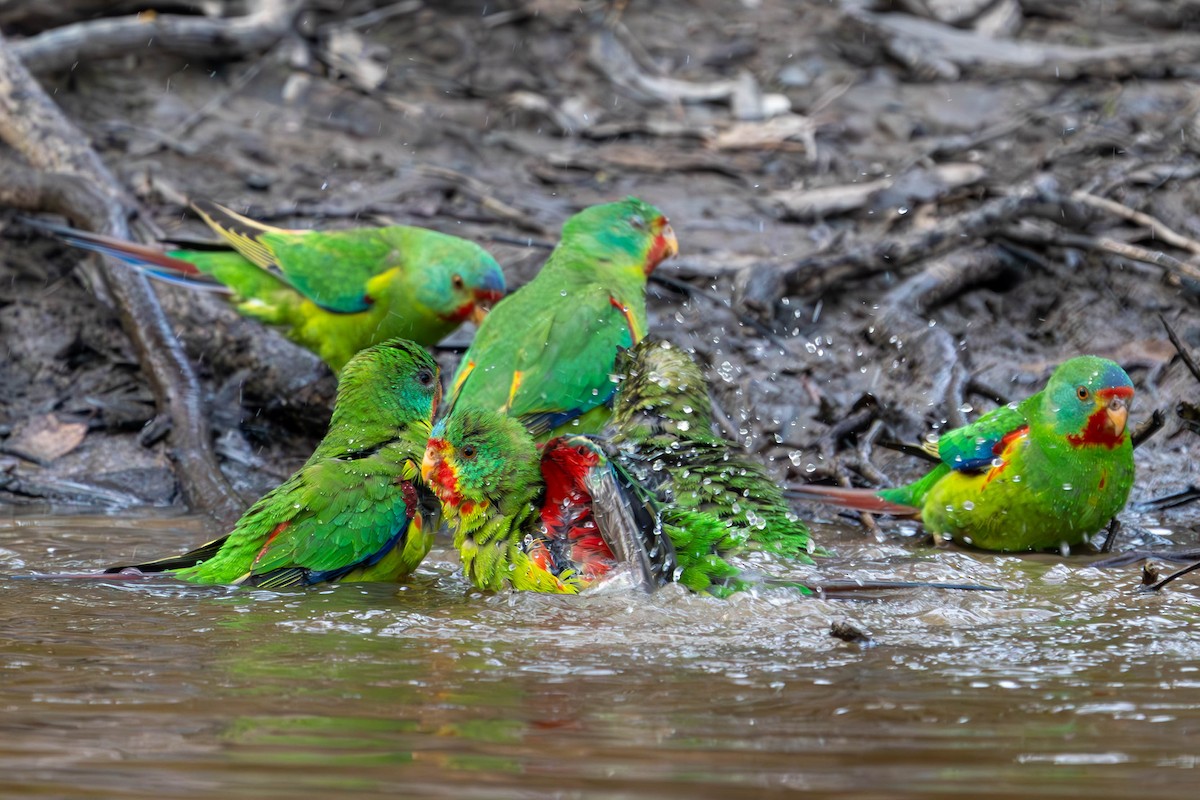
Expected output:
(150, 260)
(853, 499)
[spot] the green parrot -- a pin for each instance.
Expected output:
(715, 500)
(555, 521)
(561, 519)
(545, 353)
(332, 292)
(1044, 473)
(356, 510)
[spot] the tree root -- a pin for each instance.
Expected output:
(88, 193)
(179, 35)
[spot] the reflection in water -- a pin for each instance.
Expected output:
(1068, 683)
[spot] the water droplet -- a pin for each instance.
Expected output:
(968, 505)
(1067, 487)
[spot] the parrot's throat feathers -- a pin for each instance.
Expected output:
(1099, 430)
(444, 480)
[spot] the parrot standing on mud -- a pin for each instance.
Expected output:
(545, 353)
(555, 521)
(1044, 473)
(356, 511)
(715, 500)
(332, 292)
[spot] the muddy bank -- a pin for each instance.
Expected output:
(911, 206)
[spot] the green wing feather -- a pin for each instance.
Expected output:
(972, 446)
(562, 362)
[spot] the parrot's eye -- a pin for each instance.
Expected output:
(467, 451)
(1082, 392)
(425, 377)
(638, 222)
(457, 281)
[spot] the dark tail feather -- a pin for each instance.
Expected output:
(149, 259)
(853, 499)
(188, 559)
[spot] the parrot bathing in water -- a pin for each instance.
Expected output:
(1044, 473)
(554, 521)
(356, 511)
(332, 292)
(563, 519)
(546, 352)
(715, 499)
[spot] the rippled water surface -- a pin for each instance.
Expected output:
(1067, 684)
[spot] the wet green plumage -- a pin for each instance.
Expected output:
(715, 499)
(551, 521)
(1047, 472)
(547, 350)
(356, 509)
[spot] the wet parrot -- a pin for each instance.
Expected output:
(555, 520)
(1046, 472)
(332, 292)
(715, 499)
(356, 511)
(545, 353)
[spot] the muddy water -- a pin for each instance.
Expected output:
(1067, 684)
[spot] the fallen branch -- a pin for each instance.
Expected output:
(34, 126)
(179, 35)
(1156, 226)
(814, 274)
(1188, 361)
(1105, 244)
(932, 50)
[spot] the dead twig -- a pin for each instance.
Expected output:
(1103, 244)
(184, 36)
(1154, 587)
(1188, 361)
(1156, 226)
(1157, 421)
(1110, 538)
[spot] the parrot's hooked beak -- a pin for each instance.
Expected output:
(478, 313)
(671, 243)
(1117, 412)
(665, 245)
(430, 461)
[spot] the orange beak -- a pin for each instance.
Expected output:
(429, 462)
(478, 313)
(672, 244)
(1118, 415)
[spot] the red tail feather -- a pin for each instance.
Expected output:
(854, 499)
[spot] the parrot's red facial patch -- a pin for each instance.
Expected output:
(476, 308)
(439, 474)
(1106, 425)
(664, 246)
